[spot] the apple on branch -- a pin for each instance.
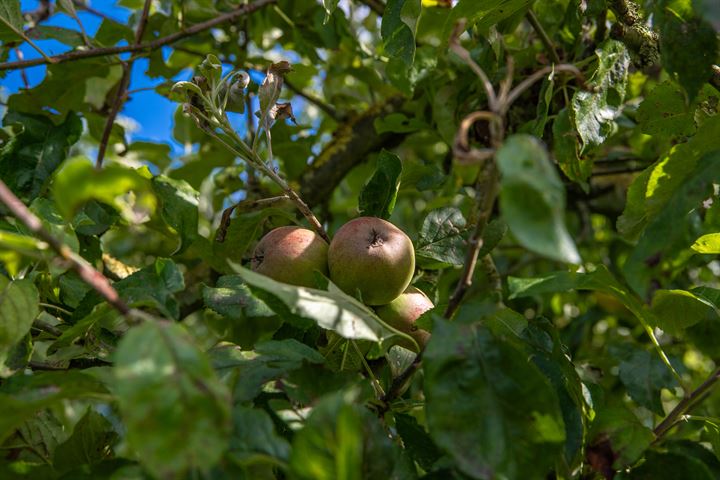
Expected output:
(291, 255)
(372, 256)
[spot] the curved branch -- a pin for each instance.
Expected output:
(539, 75)
(153, 45)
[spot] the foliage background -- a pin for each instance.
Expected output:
(583, 347)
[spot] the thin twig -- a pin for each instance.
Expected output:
(87, 273)
(83, 6)
(23, 73)
(544, 38)
(331, 112)
(20, 33)
(124, 84)
(539, 75)
(153, 45)
(41, 13)
(461, 52)
(488, 189)
(686, 404)
(46, 327)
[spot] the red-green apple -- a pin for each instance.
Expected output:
(402, 313)
(373, 256)
(291, 255)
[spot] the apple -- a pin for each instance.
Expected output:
(402, 313)
(291, 255)
(373, 256)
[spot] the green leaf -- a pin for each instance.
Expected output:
(542, 341)
(468, 373)
(10, 20)
(398, 27)
(417, 441)
(178, 208)
(493, 234)
(441, 236)
(669, 466)
(18, 308)
(664, 112)
(671, 229)
(594, 113)
(644, 375)
(689, 48)
(566, 149)
(24, 395)
(709, 243)
(484, 16)
(153, 286)
(600, 280)
(676, 310)
(330, 6)
(245, 319)
(333, 310)
(156, 153)
(628, 438)
(176, 411)
(377, 198)
(342, 440)
(87, 445)
(78, 181)
(233, 298)
(271, 360)
(651, 191)
(532, 199)
(254, 438)
(65, 87)
(27, 164)
(16, 250)
(398, 123)
(72, 38)
(543, 108)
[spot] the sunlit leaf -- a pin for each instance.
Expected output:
(532, 199)
(184, 419)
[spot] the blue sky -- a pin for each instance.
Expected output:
(152, 112)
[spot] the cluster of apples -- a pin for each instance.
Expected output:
(367, 255)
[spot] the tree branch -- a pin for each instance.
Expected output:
(353, 141)
(328, 109)
(686, 404)
(544, 38)
(148, 46)
(630, 28)
(87, 273)
(122, 89)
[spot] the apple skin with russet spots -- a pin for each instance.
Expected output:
(372, 256)
(291, 255)
(403, 312)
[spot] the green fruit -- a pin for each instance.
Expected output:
(373, 256)
(402, 313)
(291, 255)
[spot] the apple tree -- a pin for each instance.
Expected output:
(378, 239)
